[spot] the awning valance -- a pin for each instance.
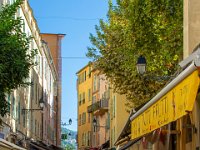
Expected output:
(129, 144)
(171, 103)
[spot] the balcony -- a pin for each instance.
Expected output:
(100, 107)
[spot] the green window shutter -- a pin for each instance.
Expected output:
(113, 107)
(19, 111)
(89, 94)
(33, 123)
(36, 92)
(13, 107)
(24, 119)
(9, 102)
(35, 126)
(108, 122)
(83, 97)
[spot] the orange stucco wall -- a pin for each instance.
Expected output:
(54, 43)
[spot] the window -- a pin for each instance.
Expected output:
(82, 77)
(88, 117)
(83, 97)
(38, 131)
(24, 119)
(38, 63)
(89, 94)
(38, 96)
(32, 125)
(108, 122)
(23, 26)
(85, 76)
(50, 80)
(98, 142)
(114, 106)
(18, 12)
(98, 83)
(35, 127)
(84, 118)
(45, 70)
(82, 139)
(94, 83)
(36, 93)
(86, 138)
(114, 134)
(13, 106)
(93, 99)
(19, 111)
(8, 99)
(79, 120)
(41, 130)
(32, 88)
(41, 66)
(45, 127)
(89, 74)
(55, 88)
(80, 99)
(89, 134)
(79, 79)
(189, 130)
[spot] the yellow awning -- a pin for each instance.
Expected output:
(170, 107)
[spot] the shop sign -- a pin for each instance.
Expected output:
(173, 105)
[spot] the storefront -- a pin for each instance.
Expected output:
(170, 121)
(5, 145)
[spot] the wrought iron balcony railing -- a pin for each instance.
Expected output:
(103, 103)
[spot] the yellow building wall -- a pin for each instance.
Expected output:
(101, 135)
(118, 116)
(83, 87)
(191, 25)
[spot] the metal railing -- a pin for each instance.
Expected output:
(103, 103)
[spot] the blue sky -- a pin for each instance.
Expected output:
(76, 19)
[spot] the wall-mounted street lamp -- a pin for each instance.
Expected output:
(41, 102)
(141, 65)
(95, 124)
(141, 69)
(65, 124)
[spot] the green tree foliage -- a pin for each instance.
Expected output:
(70, 147)
(16, 58)
(152, 28)
(64, 136)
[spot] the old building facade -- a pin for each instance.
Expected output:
(105, 110)
(35, 111)
(84, 94)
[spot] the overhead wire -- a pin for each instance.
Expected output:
(68, 18)
(72, 57)
(69, 57)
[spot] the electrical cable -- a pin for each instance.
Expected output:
(68, 18)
